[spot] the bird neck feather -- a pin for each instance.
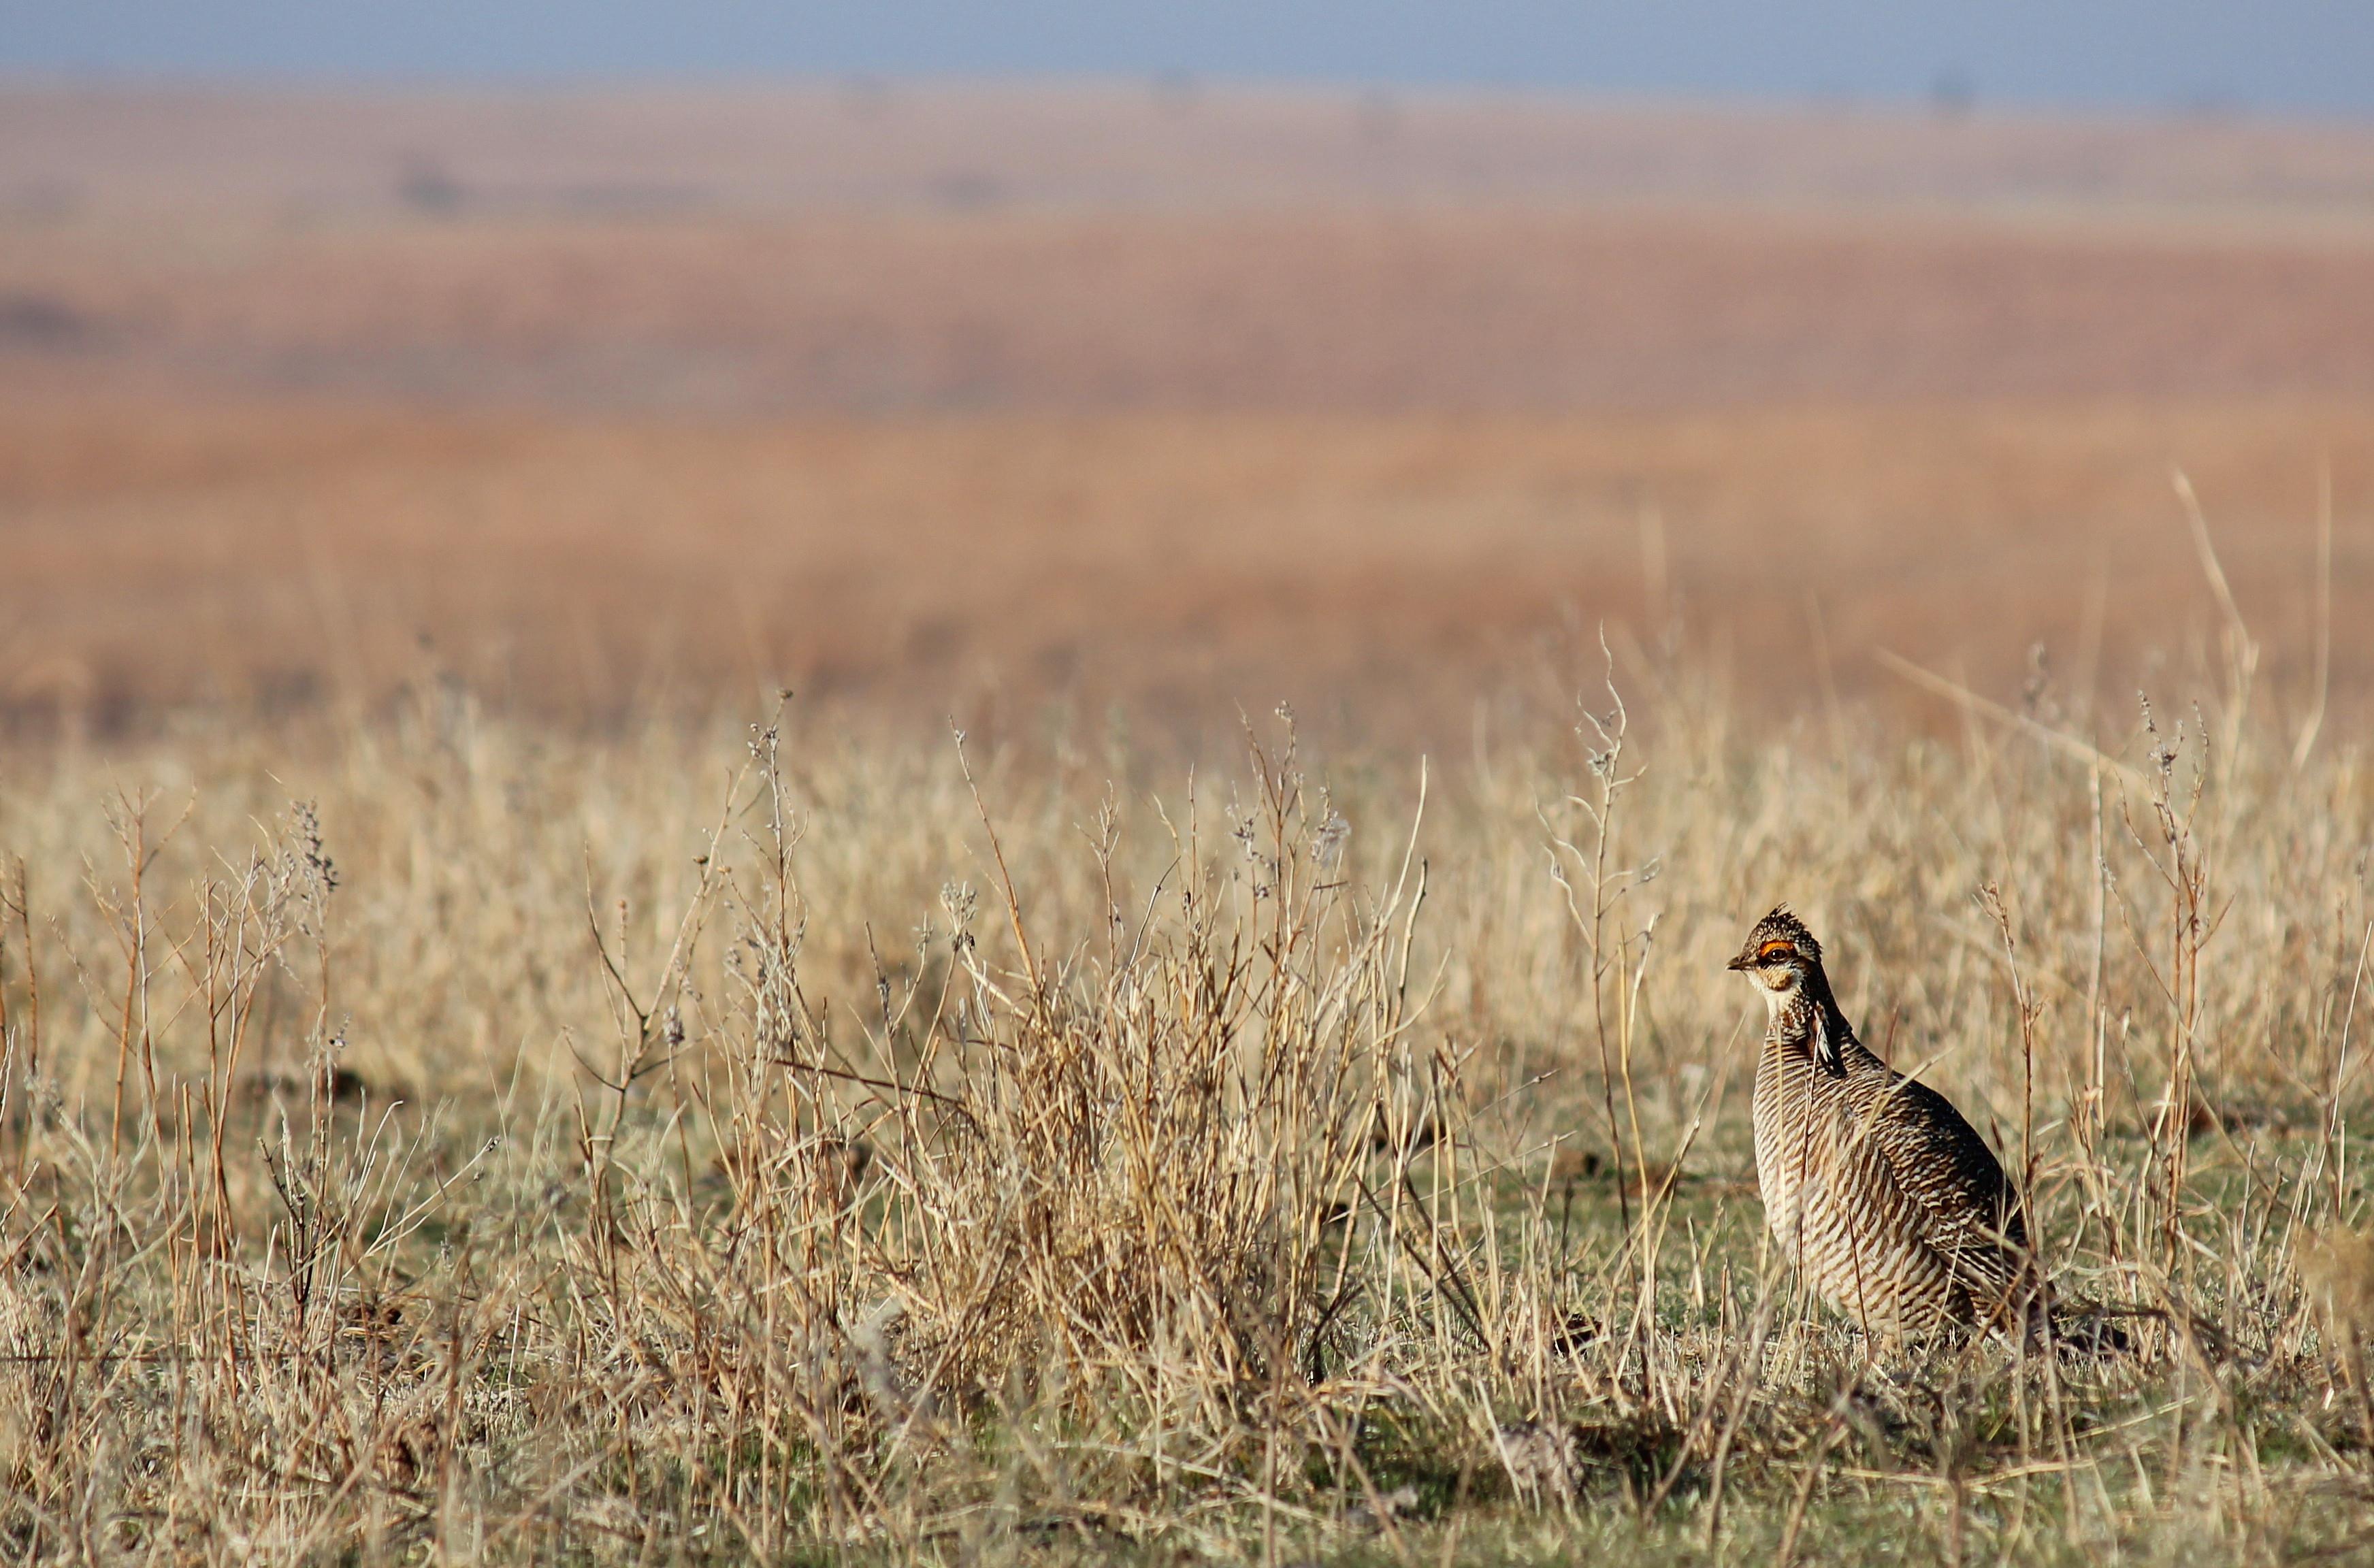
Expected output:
(1811, 1020)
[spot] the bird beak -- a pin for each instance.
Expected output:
(1742, 962)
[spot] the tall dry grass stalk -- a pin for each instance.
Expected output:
(686, 1146)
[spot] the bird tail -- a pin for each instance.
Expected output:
(2089, 1331)
(2069, 1328)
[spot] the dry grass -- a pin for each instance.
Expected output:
(1378, 571)
(458, 1103)
(695, 1145)
(1488, 307)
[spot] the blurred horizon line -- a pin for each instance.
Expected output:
(1181, 88)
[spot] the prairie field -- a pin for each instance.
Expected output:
(1400, 577)
(446, 1137)
(923, 824)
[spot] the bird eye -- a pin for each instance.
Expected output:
(1776, 948)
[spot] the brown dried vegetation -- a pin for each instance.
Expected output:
(1193, 1166)
(469, 1101)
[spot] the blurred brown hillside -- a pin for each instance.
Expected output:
(1192, 398)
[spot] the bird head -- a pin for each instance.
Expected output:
(1780, 955)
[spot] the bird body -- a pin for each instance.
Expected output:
(1885, 1199)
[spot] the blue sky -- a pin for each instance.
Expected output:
(2292, 56)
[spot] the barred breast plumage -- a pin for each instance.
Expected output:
(1884, 1199)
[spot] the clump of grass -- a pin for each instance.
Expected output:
(535, 1146)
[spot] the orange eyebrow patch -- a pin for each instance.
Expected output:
(1775, 948)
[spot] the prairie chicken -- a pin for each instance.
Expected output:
(1886, 1202)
